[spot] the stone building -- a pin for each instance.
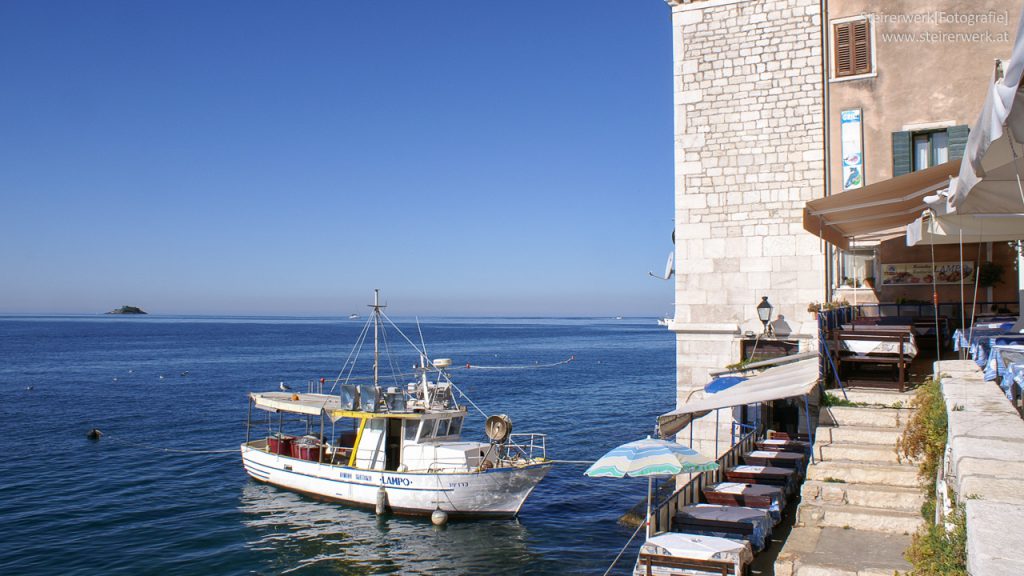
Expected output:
(761, 88)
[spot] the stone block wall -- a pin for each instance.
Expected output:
(984, 465)
(748, 155)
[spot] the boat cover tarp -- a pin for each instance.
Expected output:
(786, 381)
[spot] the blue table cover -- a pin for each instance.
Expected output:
(1007, 363)
(970, 339)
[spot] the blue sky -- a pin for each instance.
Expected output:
(465, 157)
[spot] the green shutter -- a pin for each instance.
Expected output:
(957, 141)
(902, 157)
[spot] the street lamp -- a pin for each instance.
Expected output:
(764, 313)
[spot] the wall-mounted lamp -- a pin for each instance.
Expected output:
(764, 313)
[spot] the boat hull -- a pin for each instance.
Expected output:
(498, 492)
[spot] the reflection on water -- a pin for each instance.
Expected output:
(297, 535)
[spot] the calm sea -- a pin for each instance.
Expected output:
(123, 506)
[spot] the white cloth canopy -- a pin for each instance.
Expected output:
(934, 228)
(786, 381)
(987, 182)
(985, 201)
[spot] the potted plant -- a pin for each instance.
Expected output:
(990, 274)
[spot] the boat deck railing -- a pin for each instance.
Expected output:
(525, 447)
(691, 492)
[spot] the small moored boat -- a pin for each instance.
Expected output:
(397, 448)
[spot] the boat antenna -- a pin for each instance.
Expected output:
(376, 335)
(423, 342)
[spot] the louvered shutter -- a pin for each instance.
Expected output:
(861, 47)
(902, 156)
(957, 136)
(844, 49)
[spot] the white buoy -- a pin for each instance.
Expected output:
(382, 501)
(439, 517)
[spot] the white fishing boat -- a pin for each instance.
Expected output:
(396, 449)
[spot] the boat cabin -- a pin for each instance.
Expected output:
(315, 427)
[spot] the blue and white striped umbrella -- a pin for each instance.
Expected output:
(650, 457)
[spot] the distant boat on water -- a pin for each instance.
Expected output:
(353, 316)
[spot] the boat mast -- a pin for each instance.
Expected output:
(376, 327)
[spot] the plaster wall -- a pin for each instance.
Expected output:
(922, 79)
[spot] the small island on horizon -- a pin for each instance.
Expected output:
(128, 310)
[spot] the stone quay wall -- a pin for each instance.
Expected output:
(984, 466)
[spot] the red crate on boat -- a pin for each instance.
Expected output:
(280, 444)
(306, 451)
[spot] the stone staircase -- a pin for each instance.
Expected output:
(860, 503)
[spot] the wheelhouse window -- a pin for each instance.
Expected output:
(427, 430)
(442, 427)
(456, 426)
(411, 428)
(852, 48)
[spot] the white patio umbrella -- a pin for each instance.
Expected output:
(985, 201)
(650, 457)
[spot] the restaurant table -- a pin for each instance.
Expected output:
(878, 346)
(793, 460)
(968, 339)
(752, 524)
(772, 475)
(984, 345)
(783, 445)
(771, 498)
(695, 547)
(1006, 362)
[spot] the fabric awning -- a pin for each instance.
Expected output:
(935, 228)
(786, 381)
(878, 211)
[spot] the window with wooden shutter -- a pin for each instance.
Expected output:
(852, 47)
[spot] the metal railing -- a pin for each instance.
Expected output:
(692, 491)
(520, 447)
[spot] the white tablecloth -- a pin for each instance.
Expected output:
(697, 548)
(880, 347)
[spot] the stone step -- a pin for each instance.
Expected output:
(877, 398)
(851, 472)
(857, 416)
(858, 518)
(872, 453)
(856, 435)
(811, 551)
(865, 495)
